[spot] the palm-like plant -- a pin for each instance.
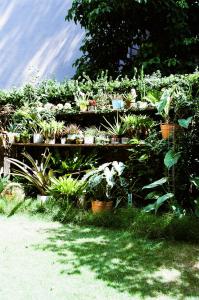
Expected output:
(37, 174)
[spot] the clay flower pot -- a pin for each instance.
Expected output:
(168, 130)
(101, 206)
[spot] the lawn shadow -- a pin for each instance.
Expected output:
(139, 267)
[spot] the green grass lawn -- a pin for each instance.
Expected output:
(142, 268)
(40, 259)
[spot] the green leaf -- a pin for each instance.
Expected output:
(152, 195)
(13, 211)
(185, 122)
(162, 199)
(156, 205)
(149, 207)
(171, 158)
(143, 157)
(195, 181)
(155, 183)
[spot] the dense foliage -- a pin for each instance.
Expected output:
(61, 93)
(159, 175)
(161, 35)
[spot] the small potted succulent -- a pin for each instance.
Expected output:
(62, 134)
(89, 135)
(82, 100)
(80, 138)
(92, 105)
(130, 99)
(12, 134)
(102, 138)
(73, 132)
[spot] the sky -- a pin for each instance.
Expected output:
(36, 42)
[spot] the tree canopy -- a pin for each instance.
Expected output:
(164, 32)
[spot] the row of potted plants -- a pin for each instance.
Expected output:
(85, 102)
(121, 130)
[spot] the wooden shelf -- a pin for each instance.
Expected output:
(109, 111)
(123, 146)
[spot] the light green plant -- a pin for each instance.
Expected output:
(66, 189)
(137, 124)
(51, 129)
(164, 105)
(81, 98)
(115, 129)
(90, 131)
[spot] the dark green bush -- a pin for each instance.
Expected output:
(139, 223)
(56, 92)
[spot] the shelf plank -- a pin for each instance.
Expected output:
(74, 145)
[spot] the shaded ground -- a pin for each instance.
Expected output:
(44, 260)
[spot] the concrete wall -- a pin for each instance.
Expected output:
(36, 41)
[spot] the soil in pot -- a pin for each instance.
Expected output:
(101, 206)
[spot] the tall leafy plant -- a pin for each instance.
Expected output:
(34, 172)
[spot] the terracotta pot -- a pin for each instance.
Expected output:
(168, 130)
(101, 206)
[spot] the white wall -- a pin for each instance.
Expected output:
(35, 40)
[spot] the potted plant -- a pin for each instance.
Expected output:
(62, 135)
(51, 130)
(92, 105)
(102, 138)
(72, 133)
(116, 130)
(38, 174)
(89, 135)
(163, 106)
(82, 100)
(117, 102)
(12, 133)
(25, 136)
(101, 185)
(137, 125)
(130, 98)
(80, 138)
